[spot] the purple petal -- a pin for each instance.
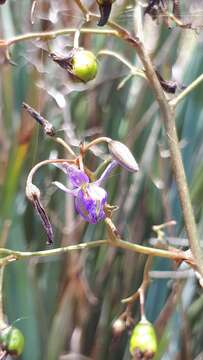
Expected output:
(77, 177)
(62, 187)
(90, 203)
(106, 172)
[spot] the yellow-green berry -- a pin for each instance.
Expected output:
(84, 65)
(143, 341)
(12, 341)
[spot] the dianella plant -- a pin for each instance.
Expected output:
(101, 179)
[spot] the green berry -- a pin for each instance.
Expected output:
(143, 341)
(12, 340)
(84, 65)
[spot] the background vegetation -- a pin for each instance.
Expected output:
(67, 304)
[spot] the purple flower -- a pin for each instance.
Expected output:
(90, 198)
(90, 201)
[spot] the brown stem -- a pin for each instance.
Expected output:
(167, 113)
(144, 284)
(168, 119)
(173, 254)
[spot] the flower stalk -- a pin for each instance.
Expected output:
(167, 112)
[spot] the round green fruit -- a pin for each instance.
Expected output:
(143, 340)
(12, 340)
(84, 65)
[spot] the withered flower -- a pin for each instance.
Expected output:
(33, 194)
(105, 10)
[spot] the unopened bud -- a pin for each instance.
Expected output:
(118, 327)
(123, 155)
(143, 341)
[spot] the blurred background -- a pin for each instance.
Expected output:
(66, 305)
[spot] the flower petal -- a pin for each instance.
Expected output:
(90, 203)
(64, 188)
(76, 176)
(107, 172)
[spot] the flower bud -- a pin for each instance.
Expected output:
(143, 341)
(12, 341)
(118, 327)
(123, 155)
(81, 64)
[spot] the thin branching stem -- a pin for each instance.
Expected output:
(187, 91)
(49, 35)
(64, 144)
(8, 255)
(94, 142)
(47, 162)
(166, 110)
(144, 284)
(134, 70)
(51, 252)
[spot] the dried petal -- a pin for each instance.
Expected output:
(154, 6)
(170, 86)
(105, 10)
(33, 194)
(123, 155)
(46, 125)
(64, 62)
